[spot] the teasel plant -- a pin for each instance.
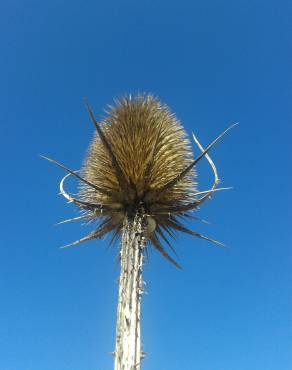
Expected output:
(138, 183)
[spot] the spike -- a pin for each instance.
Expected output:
(119, 172)
(174, 181)
(104, 228)
(82, 240)
(208, 239)
(168, 230)
(115, 235)
(178, 226)
(76, 219)
(212, 164)
(192, 217)
(211, 191)
(160, 232)
(186, 207)
(103, 191)
(160, 249)
(103, 209)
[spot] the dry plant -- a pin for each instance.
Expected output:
(138, 181)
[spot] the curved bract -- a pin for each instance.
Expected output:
(140, 158)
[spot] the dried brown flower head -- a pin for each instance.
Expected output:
(140, 158)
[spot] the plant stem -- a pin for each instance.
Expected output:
(128, 332)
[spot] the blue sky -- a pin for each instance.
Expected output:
(213, 63)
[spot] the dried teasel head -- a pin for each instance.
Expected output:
(140, 159)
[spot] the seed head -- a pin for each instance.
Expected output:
(150, 148)
(140, 159)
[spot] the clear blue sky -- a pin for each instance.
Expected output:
(212, 62)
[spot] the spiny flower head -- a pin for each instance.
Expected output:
(140, 159)
(150, 148)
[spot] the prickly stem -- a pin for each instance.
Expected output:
(128, 336)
